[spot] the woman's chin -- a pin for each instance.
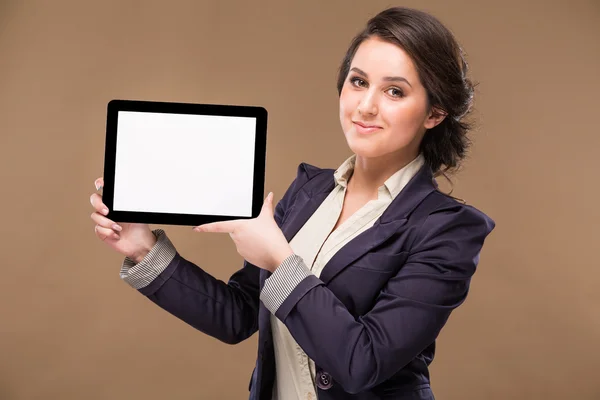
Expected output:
(364, 151)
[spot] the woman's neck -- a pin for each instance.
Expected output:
(370, 173)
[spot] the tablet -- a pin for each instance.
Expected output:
(182, 163)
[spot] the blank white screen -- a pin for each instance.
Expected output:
(184, 164)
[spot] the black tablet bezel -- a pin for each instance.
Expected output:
(260, 151)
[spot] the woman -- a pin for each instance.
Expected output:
(351, 277)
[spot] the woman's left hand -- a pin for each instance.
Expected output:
(259, 240)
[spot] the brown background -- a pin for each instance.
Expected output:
(71, 329)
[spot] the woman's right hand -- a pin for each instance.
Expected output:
(130, 239)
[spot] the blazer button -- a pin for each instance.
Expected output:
(324, 380)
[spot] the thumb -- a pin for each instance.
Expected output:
(268, 204)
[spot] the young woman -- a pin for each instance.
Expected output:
(351, 276)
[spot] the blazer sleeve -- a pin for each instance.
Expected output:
(227, 311)
(409, 312)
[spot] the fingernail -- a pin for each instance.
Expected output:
(105, 211)
(117, 228)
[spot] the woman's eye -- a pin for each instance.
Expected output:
(358, 82)
(395, 92)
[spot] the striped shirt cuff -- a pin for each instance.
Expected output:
(283, 281)
(143, 273)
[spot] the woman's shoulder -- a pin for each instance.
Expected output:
(449, 209)
(308, 175)
(308, 178)
(310, 171)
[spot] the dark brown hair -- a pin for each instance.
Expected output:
(442, 69)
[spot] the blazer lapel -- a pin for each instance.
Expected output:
(395, 215)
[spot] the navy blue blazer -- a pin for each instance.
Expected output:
(371, 319)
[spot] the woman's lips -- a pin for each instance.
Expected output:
(364, 129)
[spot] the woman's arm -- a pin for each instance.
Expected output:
(225, 311)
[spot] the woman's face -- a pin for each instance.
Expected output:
(383, 106)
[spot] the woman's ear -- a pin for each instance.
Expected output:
(435, 117)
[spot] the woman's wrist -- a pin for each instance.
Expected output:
(144, 249)
(280, 256)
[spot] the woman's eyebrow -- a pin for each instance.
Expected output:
(386, 79)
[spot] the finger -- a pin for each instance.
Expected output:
(99, 183)
(105, 222)
(105, 233)
(218, 227)
(98, 205)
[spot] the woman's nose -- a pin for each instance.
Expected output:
(368, 104)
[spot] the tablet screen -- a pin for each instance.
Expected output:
(202, 164)
(178, 164)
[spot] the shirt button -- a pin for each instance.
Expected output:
(324, 380)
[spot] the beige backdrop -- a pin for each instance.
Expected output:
(71, 329)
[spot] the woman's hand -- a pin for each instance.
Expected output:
(130, 239)
(259, 240)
